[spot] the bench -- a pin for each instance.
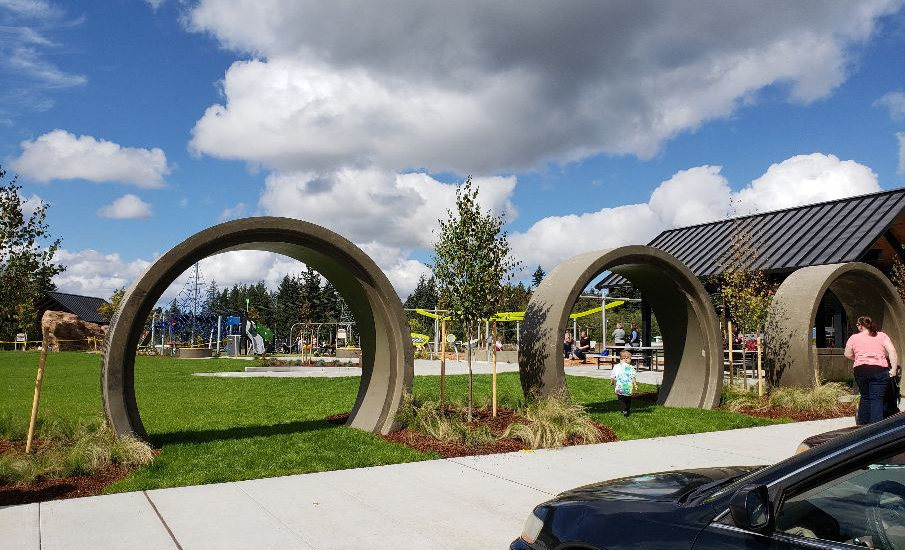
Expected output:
(603, 359)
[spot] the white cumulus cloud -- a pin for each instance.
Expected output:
(693, 196)
(481, 87)
(365, 205)
(126, 207)
(806, 179)
(60, 155)
(92, 273)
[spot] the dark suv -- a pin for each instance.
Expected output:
(846, 493)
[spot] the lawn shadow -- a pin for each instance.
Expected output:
(612, 406)
(241, 432)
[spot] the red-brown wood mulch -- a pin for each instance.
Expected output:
(800, 416)
(452, 449)
(58, 489)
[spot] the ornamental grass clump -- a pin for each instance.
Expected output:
(428, 418)
(822, 398)
(819, 399)
(67, 448)
(553, 422)
(737, 399)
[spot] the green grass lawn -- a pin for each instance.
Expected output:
(226, 429)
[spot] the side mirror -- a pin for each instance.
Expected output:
(751, 509)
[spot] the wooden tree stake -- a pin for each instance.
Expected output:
(493, 384)
(760, 372)
(37, 399)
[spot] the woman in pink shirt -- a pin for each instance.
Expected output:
(875, 363)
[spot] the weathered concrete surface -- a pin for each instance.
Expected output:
(387, 357)
(194, 353)
(692, 345)
(69, 332)
(862, 289)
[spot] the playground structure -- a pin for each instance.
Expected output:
(309, 343)
(486, 343)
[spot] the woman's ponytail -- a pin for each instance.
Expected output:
(869, 324)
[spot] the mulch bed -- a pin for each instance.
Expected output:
(800, 416)
(57, 489)
(453, 449)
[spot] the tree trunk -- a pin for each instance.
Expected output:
(443, 365)
(470, 382)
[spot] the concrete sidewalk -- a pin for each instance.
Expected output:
(473, 502)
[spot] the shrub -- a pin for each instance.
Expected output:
(819, 399)
(824, 397)
(735, 398)
(70, 448)
(553, 421)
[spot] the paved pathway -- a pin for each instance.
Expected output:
(462, 503)
(422, 367)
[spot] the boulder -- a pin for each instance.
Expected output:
(68, 332)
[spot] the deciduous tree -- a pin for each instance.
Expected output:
(471, 263)
(26, 260)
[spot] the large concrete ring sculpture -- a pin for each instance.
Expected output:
(862, 289)
(387, 358)
(692, 344)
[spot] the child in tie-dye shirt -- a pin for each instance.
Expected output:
(624, 378)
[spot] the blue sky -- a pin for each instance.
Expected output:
(589, 125)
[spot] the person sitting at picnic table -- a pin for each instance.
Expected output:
(619, 336)
(583, 348)
(568, 344)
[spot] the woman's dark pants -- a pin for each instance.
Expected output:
(871, 381)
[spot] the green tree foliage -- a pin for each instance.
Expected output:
(26, 261)
(425, 296)
(109, 308)
(537, 277)
(746, 291)
(471, 263)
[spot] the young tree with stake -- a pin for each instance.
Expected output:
(471, 263)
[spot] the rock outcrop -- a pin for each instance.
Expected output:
(68, 332)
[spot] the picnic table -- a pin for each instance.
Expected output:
(646, 354)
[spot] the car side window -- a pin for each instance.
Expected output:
(862, 507)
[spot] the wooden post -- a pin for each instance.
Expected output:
(493, 378)
(760, 372)
(731, 351)
(443, 365)
(37, 399)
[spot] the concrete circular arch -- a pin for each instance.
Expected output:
(861, 288)
(692, 343)
(387, 358)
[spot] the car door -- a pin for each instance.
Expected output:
(854, 503)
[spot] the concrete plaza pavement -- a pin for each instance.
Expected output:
(461, 503)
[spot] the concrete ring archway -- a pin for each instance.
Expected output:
(387, 359)
(692, 344)
(791, 360)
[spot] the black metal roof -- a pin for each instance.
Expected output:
(785, 240)
(83, 306)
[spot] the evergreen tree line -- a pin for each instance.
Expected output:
(302, 298)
